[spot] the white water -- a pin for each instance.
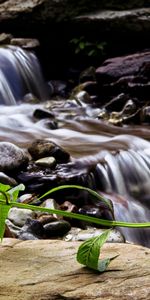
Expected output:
(20, 74)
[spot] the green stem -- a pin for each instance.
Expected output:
(95, 194)
(78, 216)
(6, 197)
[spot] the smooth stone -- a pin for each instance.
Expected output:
(12, 157)
(56, 229)
(77, 234)
(19, 216)
(47, 269)
(7, 179)
(47, 162)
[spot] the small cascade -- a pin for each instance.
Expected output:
(20, 74)
(124, 178)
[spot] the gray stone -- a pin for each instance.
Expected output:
(19, 216)
(12, 157)
(48, 270)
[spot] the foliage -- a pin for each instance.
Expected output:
(87, 48)
(88, 252)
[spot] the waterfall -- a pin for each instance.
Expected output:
(124, 178)
(20, 74)
(120, 155)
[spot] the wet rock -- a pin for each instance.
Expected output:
(19, 216)
(116, 103)
(77, 234)
(145, 114)
(12, 157)
(5, 38)
(32, 230)
(7, 179)
(42, 114)
(115, 68)
(25, 43)
(56, 229)
(47, 162)
(82, 97)
(47, 123)
(41, 148)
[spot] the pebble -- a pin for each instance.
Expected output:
(47, 162)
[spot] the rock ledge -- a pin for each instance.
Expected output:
(48, 270)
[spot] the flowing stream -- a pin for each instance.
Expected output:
(121, 155)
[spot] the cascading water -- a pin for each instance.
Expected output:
(121, 155)
(20, 74)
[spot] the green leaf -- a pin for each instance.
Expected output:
(4, 187)
(4, 209)
(14, 192)
(81, 45)
(88, 252)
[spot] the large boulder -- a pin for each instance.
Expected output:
(38, 13)
(48, 270)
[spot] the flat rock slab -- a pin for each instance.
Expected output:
(47, 270)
